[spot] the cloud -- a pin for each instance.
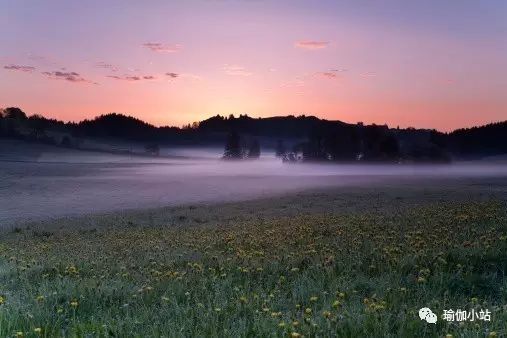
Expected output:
(172, 75)
(105, 65)
(312, 45)
(132, 78)
(331, 74)
(19, 68)
(67, 76)
(236, 70)
(162, 48)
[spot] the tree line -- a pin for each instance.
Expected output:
(294, 138)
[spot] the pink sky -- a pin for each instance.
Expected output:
(428, 65)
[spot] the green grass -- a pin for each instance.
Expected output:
(359, 265)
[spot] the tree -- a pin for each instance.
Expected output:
(152, 149)
(14, 113)
(66, 141)
(389, 147)
(280, 149)
(254, 150)
(232, 149)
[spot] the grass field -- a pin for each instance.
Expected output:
(356, 263)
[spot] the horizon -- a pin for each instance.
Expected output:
(427, 65)
(28, 114)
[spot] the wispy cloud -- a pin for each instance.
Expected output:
(162, 48)
(172, 75)
(105, 65)
(67, 76)
(311, 45)
(19, 68)
(132, 78)
(331, 74)
(236, 70)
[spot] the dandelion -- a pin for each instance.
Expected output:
(37, 330)
(448, 335)
(281, 324)
(421, 280)
(313, 299)
(19, 334)
(492, 334)
(74, 303)
(326, 314)
(243, 299)
(217, 309)
(295, 323)
(295, 335)
(308, 311)
(2, 300)
(40, 298)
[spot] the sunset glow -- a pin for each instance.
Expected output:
(430, 65)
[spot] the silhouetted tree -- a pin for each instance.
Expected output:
(66, 141)
(254, 150)
(280, 149)
(342, 145)
(389, 148)
(152, 149)
(233, 147)
(14, 113)
(38, 124)
(314, 149)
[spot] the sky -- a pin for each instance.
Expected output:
(427, 64)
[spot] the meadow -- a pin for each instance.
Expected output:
(339, 263)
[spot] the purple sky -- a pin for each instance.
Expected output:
(439, 64)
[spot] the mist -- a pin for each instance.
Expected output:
(38, 183)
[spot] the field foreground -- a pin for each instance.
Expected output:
(345, 262)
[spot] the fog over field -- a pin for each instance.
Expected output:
(40, 182)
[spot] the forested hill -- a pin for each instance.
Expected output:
(316, 138)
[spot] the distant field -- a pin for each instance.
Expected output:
(349, 262)
(39, 182)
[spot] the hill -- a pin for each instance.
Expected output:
(305, 137)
